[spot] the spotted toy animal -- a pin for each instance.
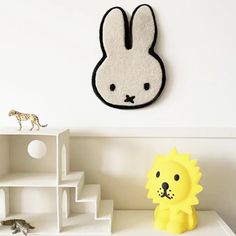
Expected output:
(24, 117)
(18, 225)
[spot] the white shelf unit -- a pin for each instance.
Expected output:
(44, 191)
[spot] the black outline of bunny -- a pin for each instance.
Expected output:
(128, 45)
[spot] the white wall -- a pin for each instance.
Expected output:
(48, 50)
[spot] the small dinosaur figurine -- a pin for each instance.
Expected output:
(17, 225)
(24, 116)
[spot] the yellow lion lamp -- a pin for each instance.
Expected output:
(173, 184)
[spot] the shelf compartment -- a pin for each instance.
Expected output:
(15, 156)
(28, 180)
(43, 223)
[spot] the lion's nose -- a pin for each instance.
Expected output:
(165, 186)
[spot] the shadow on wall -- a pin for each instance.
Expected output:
(219, 188)
(159, 47)
(121, 174)
(120, 165)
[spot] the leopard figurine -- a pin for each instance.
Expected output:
(24, 117)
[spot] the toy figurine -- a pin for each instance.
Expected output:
(18, 225)
(173, 184)
(24, 116)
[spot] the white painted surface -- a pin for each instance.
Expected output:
(21, 161)
(49, 49)
(139, 223)
(32, 200)
(25, 131)
(29, 180)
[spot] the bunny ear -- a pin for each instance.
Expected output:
(143, 28)
(112, 31)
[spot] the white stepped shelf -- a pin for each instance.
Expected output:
(33, 187)
(28, 180)
(106, 210)
(90, 193)
(27, 132)
(82, 224)
(40, 179)
(72, 179)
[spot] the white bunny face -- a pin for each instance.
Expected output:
(130, 75)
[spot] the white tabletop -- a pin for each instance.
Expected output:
(132, 223)
(140, 223)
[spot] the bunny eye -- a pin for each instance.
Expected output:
(146, 86)
(112, 87)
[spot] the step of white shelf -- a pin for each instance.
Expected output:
(105, 210)
(90, 193)
(85, 224)
(72, 179)
(27, 179)
(26, 131)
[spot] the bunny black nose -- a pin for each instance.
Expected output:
(129, 98)
(165, 186)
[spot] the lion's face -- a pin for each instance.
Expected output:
(172, 182)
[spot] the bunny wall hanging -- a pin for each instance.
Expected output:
(130, 74)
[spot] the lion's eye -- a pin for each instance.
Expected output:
(158, 174)
(176, 177)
